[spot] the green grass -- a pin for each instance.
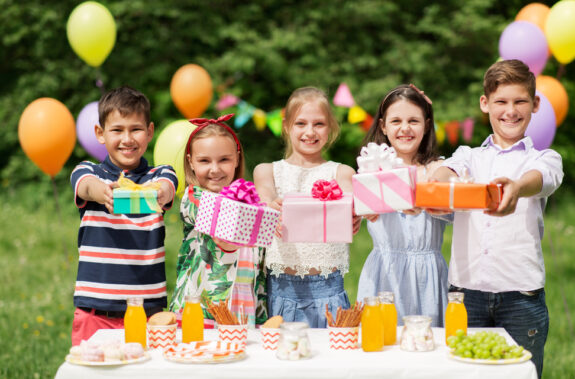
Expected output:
(38, 262)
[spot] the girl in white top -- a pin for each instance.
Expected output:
(304, 277)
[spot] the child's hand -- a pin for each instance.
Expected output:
(371, 218)
(509, 200)
(108, 195)
(413, 211)
(94, 189)
(356, 223)
(228, 247)
(165, 193)
(276, 204)
(438, 212)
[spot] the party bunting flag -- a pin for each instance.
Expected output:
(366, 124)
(274, 121)
(452, 130)
(245, 112)
(467, 125)
(226, 101)
(259, 118)
(440, 132)
(342, 97)
(356, 114)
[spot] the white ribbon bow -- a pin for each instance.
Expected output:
(374, 157)
(464, 178)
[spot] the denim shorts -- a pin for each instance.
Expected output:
(523, 315)
(304, 299)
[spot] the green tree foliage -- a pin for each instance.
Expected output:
(260, 51)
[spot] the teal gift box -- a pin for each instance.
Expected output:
(135, 202)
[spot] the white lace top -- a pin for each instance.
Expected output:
(304, 256)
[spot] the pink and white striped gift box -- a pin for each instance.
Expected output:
(384, 191)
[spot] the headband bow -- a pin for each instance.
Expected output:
(203, 122)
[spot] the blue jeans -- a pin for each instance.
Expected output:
(523, 316)
(304, 299)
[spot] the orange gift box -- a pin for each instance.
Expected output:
(460, 196)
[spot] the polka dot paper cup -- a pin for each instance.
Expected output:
(162, 336)
(270, 338)
(343, 338)
(234, 333)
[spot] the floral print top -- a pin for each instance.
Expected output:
(205, 270)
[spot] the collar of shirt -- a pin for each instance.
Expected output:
(526, 143)
(138, 171)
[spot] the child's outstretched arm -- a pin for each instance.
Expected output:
(93, 189)
(528, 185)
(265, 186)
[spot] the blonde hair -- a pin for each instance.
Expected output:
(211, 130)
(297, 99)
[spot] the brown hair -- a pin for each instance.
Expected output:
(427, 148)
(125, 100)
(307, 95)
(211, 130)
(511, 71)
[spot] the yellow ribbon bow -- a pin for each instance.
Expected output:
(129, 185)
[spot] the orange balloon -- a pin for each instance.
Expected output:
(556, 94)
(47, 133)
(191, 90)
(535, 13)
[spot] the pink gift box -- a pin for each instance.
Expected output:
(307, 219)
(384, 191)
(236, 222)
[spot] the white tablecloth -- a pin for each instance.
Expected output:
(392, 362)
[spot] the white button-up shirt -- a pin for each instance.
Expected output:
(499, 254)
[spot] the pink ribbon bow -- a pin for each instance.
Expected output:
(243, 191)
(326, 190)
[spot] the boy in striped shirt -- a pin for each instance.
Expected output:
(120, 255)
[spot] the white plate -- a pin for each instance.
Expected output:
(205, 352)
(525, 357)
(75, 361)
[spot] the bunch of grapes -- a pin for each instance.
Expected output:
(483, 345)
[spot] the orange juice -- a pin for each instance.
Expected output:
(371, 325)
(389, 312)
(455, 315)
(192, 320)
(135, 322)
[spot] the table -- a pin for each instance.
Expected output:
(392, 362)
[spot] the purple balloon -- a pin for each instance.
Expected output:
(85, 123)
(525, 41)
(543, 124)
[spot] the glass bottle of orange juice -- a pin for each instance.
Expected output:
(192, 320)
(135, 321)
(455, 314)
(389, 312)
(371, 325)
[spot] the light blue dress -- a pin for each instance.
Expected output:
(406, 259)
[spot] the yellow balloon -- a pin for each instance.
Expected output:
(91, 31)
(560, 31)
(170, 149)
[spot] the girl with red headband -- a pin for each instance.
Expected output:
(305, 277)
(208, 267)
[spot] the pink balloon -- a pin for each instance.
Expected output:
(85, 123)
(543, 124)
(525, 41)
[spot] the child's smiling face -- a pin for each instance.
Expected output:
(310, 130)
(214, 160)
(126, 138)
(404, 126)
(509, 107)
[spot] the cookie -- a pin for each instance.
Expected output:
(273, 322)
(162, 318)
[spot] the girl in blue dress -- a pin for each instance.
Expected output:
(406, 257)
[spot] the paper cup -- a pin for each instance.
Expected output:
(162, 336)
(270, 338)
(343, 338)
(234, 333)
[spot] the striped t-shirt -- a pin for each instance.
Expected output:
(121, 255)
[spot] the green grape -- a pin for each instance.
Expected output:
(483, 345)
